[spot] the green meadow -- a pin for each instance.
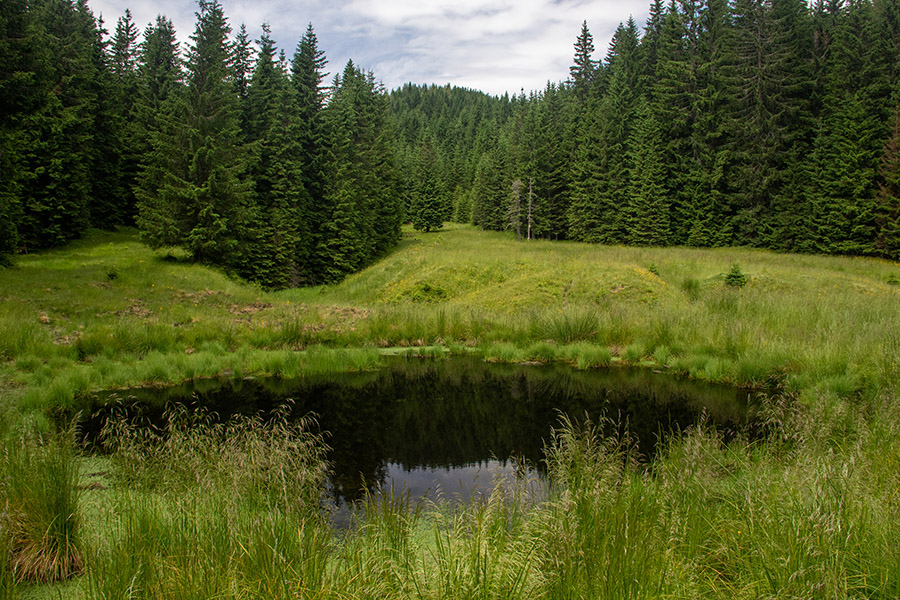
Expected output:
(231, 511)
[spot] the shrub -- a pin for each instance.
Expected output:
(735, 277)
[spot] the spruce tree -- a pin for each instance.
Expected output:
(201, 202)
(280, 231)
(307, 76)
(124, 92)
(160, 81)
(23, 84)
(56, 141)
(646, 216)
(111, 199)
(425, 211)
(365, 212)
(581, 73)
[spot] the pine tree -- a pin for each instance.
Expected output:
(646, 216)
(201, 202)
(307, 75)
(581, 73)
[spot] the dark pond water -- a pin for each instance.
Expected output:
(451, 427)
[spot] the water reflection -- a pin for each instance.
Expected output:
(447, 427)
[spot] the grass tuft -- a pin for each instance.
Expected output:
(41, 516)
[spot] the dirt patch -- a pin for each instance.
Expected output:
(137, 308)
(249, 309)
(201, 295)
(344, 313)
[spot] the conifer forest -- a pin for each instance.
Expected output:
(763, 123)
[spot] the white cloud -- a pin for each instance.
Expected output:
(494, 45)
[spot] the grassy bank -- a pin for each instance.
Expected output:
(107, 312)
(808, 512)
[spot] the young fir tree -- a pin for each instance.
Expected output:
(201, 203)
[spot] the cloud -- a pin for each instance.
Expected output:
(496, 46)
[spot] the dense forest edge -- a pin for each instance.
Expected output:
(766, 124)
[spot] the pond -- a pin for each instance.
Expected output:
(451, 427)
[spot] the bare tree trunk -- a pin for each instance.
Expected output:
(515, 208)
(530, 198)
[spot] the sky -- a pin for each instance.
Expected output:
(496, 46)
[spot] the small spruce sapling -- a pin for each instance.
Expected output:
(735, 277)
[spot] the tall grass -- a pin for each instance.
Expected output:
(775, 518)
(41, 517)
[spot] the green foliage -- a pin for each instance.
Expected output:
(735, 277)
(425, 208)
(364, 221)
(200, 201)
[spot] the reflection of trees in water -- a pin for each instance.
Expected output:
(461, 411)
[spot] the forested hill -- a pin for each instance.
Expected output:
(758, 122)
(763, 123)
